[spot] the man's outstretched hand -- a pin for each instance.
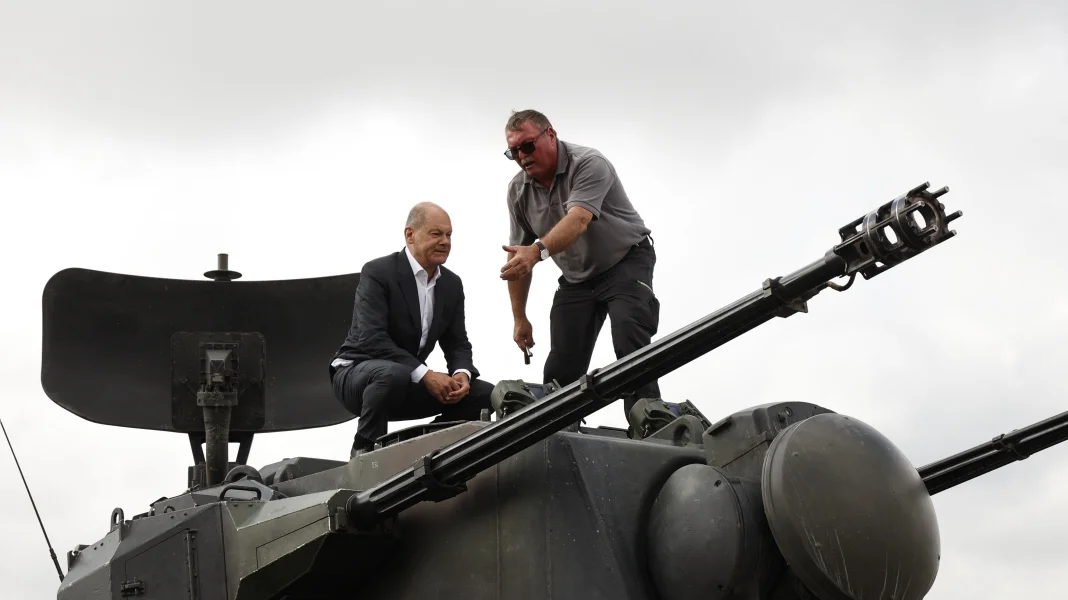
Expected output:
(441, 386)
(521, 264)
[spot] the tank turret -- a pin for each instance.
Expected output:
(783, 501)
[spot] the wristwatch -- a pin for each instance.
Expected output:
(544, 250)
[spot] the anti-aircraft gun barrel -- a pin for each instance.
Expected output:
(1004, 449)
(891, 234)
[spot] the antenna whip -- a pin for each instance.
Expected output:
(34, 504)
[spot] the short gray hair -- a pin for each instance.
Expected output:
(518, 117)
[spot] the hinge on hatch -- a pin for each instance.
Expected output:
(134, 587)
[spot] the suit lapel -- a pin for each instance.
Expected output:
(409, 291)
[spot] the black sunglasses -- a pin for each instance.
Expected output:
(512, 153)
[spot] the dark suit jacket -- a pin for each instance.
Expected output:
(386, 323)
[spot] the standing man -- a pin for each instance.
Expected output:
(567, 203)
(406, 302)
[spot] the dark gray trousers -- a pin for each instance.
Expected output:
(623, 293)
(379, 391)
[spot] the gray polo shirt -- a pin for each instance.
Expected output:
(584, 177)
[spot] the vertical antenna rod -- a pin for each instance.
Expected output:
(223, 273)
(32, 503)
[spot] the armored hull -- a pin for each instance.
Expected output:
(567, 513)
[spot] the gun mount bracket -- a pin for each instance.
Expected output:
(773, 287)
(1003, 446)
(436, 489)
(586, 385)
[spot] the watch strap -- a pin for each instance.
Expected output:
(544, 251)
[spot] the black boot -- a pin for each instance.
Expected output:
(360, 445)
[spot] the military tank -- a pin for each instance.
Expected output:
(782, 501)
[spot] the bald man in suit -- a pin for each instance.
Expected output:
(406, 302)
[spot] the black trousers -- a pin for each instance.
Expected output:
(623, 293)
(379, 391)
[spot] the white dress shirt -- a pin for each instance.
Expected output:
(425, 290)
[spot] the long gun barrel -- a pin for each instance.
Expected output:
(1004, 449)
(884, 238)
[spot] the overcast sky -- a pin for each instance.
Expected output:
(745, 135)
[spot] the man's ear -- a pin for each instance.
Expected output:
(409, 234)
